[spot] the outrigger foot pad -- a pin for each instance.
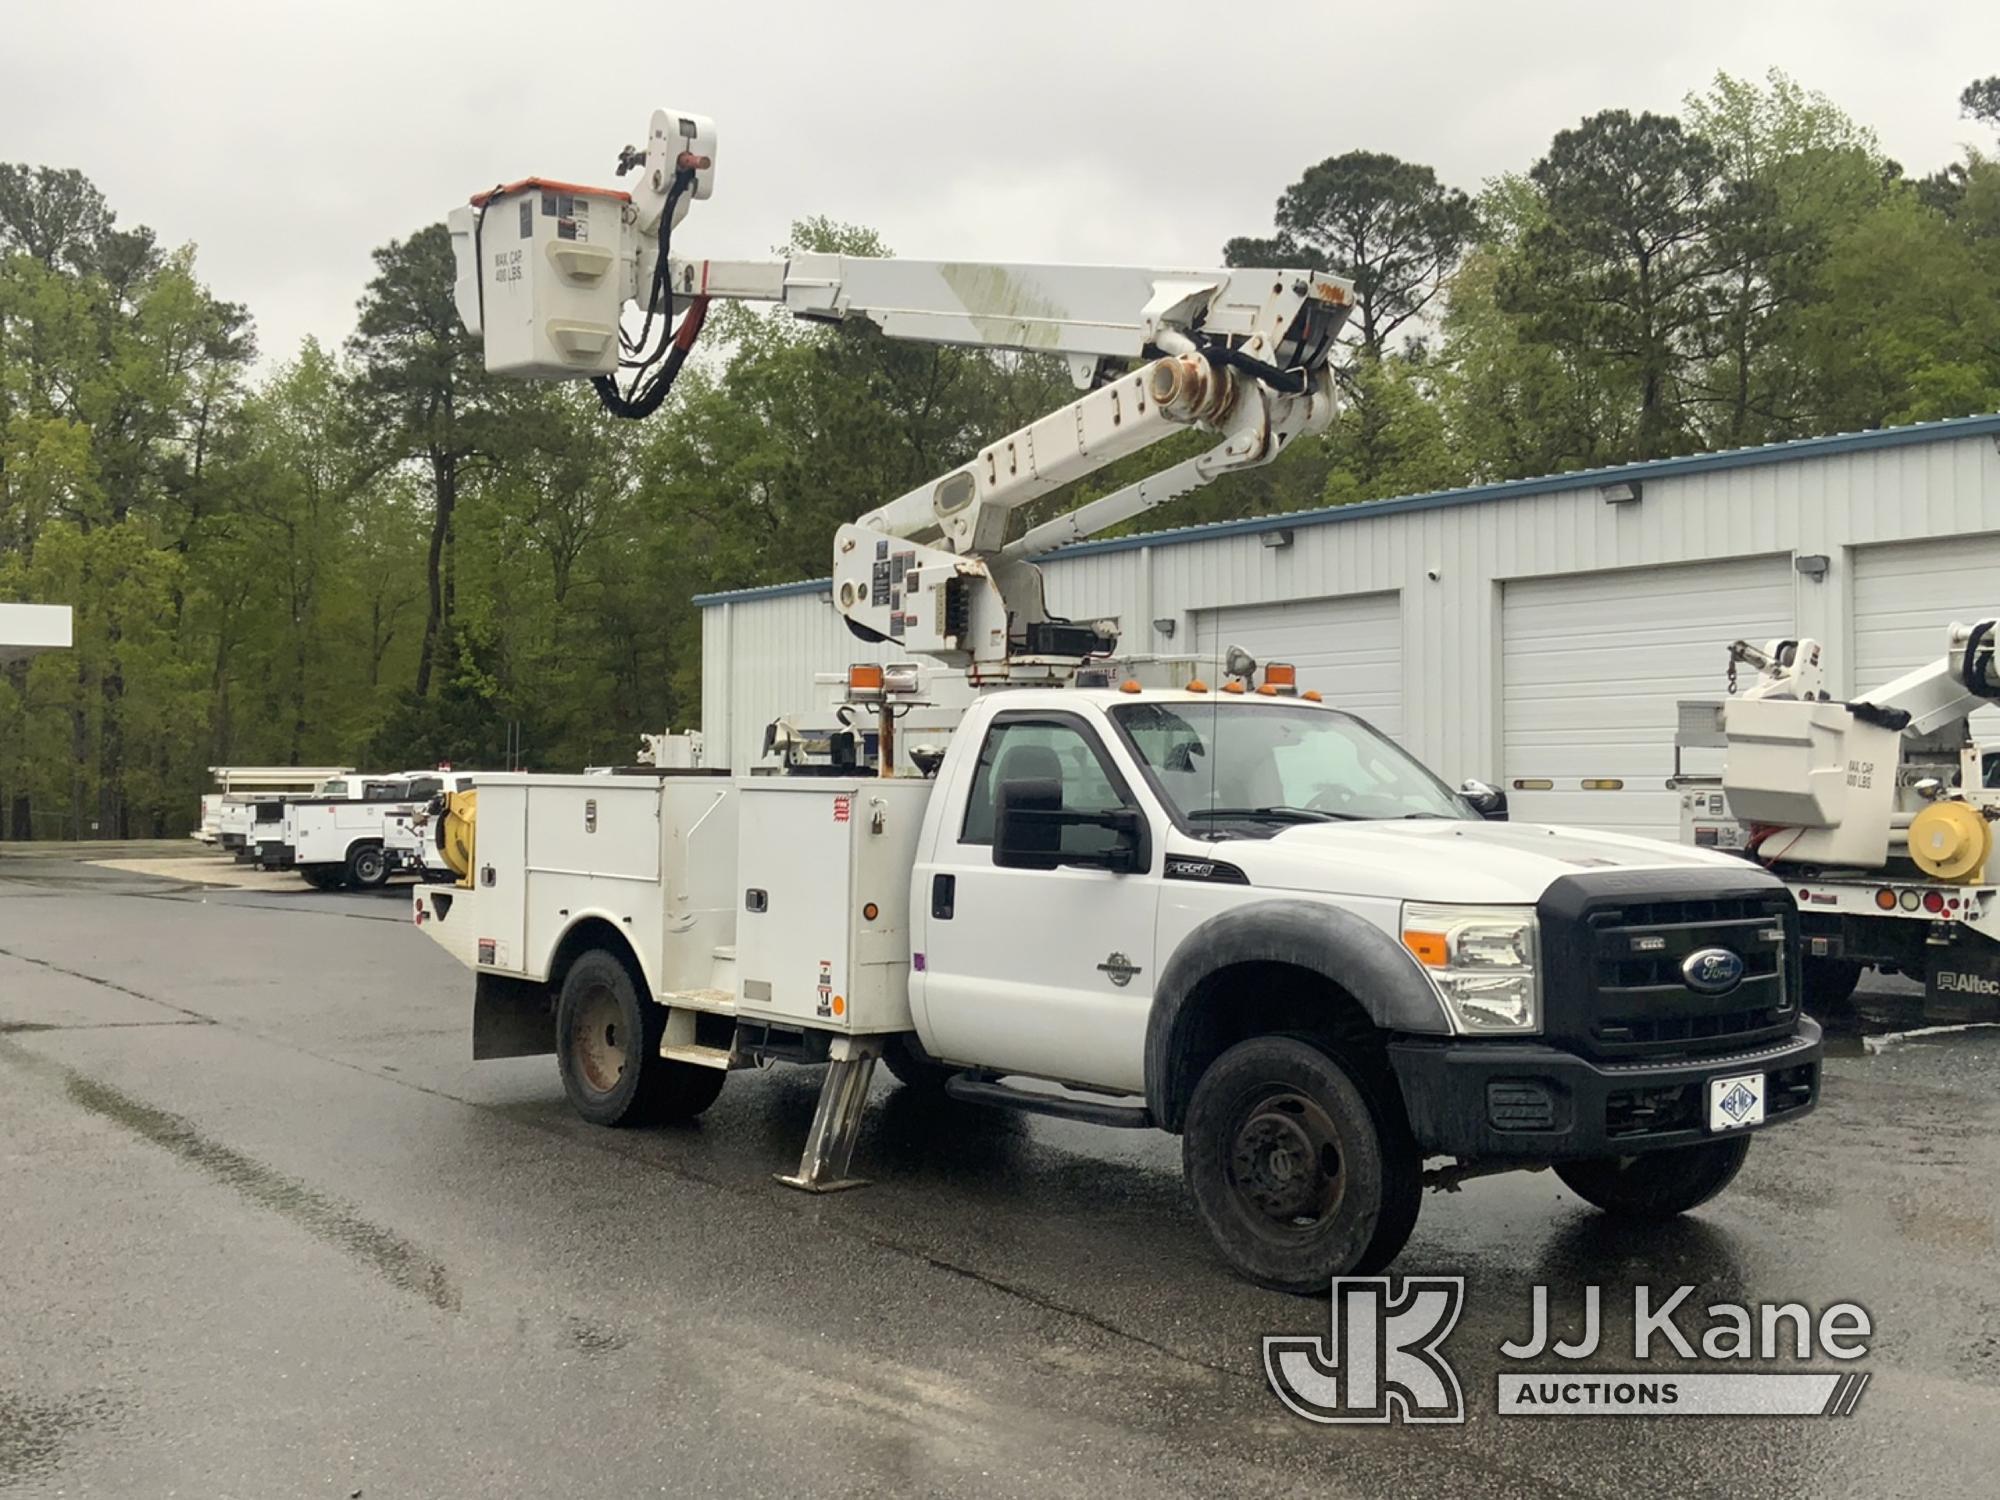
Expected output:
(843, 1099)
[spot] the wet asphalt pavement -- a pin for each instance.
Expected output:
(265, 1230)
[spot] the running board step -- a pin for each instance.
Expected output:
(706, 1057)
(973, 1088)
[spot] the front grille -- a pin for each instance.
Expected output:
(1615, 949)
(1644, 1004)
(1728, 1029)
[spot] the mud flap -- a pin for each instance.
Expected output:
(511, 1018)
(1962, 982)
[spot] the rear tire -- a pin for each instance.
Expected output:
(367, 867)
(608, 1048)
(1658, 1184)
(324, 877)
(1301, 1164)
(1829, 981)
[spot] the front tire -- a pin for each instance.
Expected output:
(1658, 1184)
(608, 1048)
(367, 867)
(1301, 1164)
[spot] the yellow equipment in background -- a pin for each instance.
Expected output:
(456, 825)
(1951, 841)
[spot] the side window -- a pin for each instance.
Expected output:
(425, 786)
(1027, 749)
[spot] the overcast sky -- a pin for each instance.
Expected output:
(286, 138)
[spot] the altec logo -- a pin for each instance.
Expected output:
(1966, 984)
(1381, 1361)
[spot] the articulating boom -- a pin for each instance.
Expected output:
(546, 270)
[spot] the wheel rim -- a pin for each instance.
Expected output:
(597, 1041)
(1286, 1171)
(368, 865)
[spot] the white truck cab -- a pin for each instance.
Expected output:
(1249, 919)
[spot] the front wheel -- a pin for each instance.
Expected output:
(1658, 1184)
(1301, 1165)
(608, 1048)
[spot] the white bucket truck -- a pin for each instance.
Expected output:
(1877, 812)
(1226, 910)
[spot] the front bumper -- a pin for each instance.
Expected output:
(1533, 1102)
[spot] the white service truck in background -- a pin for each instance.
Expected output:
(338, 839)
(228, 815)
(1877, 812)
(1235, 913)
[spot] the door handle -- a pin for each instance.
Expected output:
(944, 896)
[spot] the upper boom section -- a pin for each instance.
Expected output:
(547, 271)
(1086, 311)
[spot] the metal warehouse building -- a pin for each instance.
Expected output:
(1536, 633)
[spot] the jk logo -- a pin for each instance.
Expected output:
(1381, 1361)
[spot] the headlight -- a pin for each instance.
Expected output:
(1482, 960)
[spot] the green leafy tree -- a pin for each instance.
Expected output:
(422, 386)
(1620, 265)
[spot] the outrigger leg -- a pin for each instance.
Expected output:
(843, 1099)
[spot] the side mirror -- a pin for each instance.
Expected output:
(1487, 800)
(1028, 824)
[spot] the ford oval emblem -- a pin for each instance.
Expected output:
(1712, 971)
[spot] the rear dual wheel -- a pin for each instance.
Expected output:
(608, 1048)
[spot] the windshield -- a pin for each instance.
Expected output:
(1252, 768)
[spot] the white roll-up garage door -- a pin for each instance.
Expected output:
(1592, 666)
(1904, 595)
(1350, 648)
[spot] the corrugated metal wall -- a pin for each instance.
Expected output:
(760, 652)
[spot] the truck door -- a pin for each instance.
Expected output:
(1045, 972)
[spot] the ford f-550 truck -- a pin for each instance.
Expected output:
(1240, 915)
(1248, 919)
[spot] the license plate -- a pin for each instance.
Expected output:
(1736, 1102)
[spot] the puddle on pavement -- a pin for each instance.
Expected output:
(1864, 1025)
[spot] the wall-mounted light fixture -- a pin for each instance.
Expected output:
(1812, 565)
(1276, 539)
(1622, 491)
(1166, 627)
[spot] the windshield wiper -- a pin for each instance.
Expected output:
(1274, 814)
